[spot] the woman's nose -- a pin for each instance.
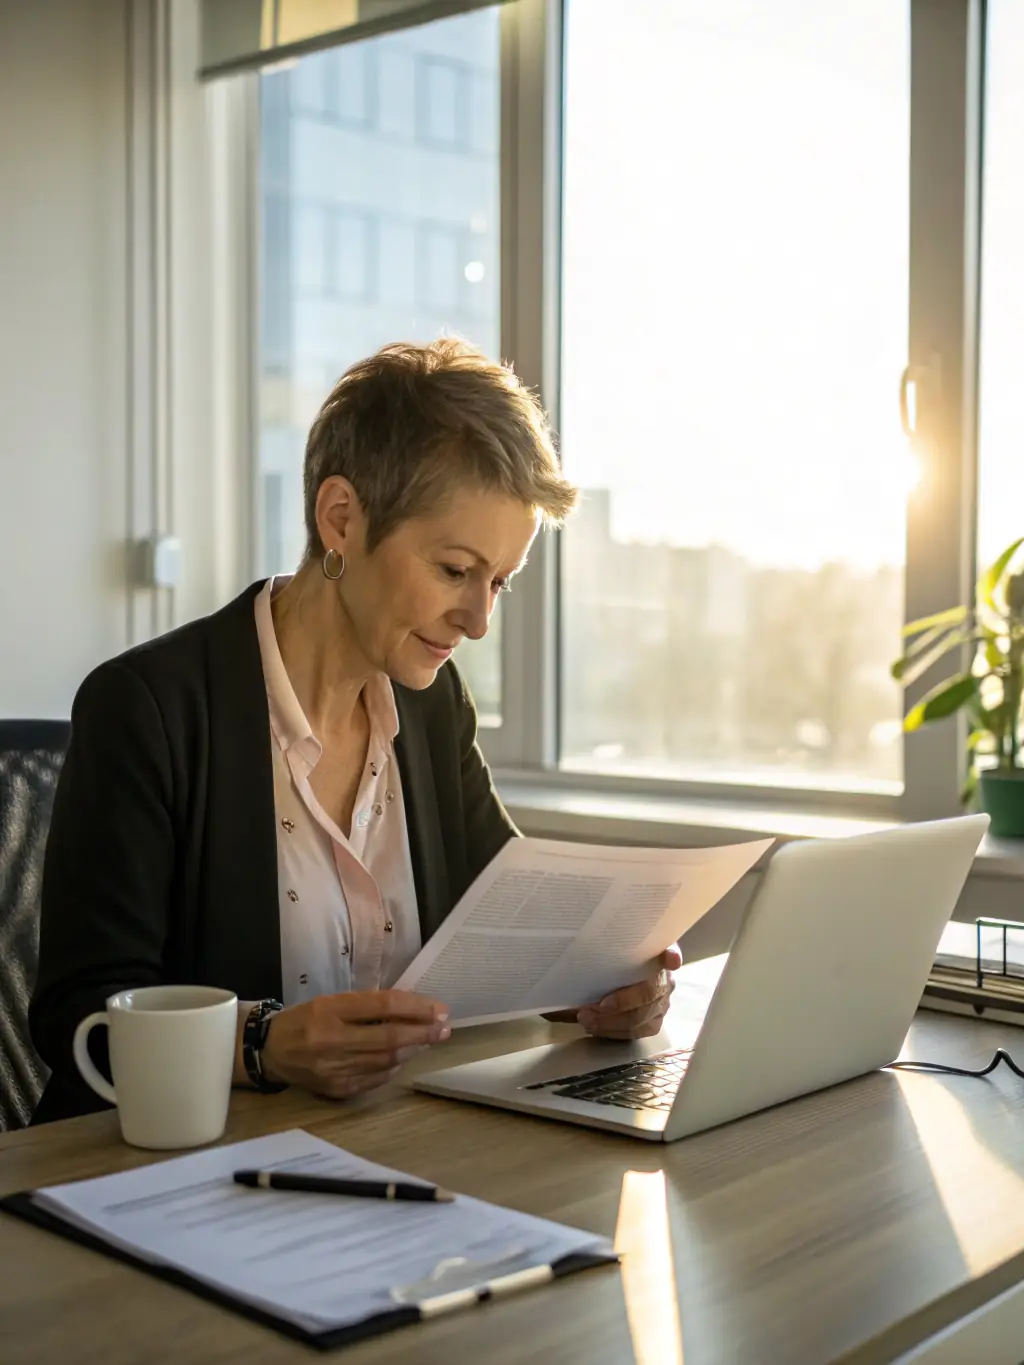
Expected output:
(474, 615)
(476, 623)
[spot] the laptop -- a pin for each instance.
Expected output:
(820, 985)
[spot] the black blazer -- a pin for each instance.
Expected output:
(161, 862)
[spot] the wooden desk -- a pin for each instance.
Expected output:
(846, 1226)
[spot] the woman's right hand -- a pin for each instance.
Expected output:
(341, 1045)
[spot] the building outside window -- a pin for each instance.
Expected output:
(380, 222)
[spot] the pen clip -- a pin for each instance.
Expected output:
(456, 1273)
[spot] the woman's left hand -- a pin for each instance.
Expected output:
(635, 1011)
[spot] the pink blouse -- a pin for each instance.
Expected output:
(349, 919)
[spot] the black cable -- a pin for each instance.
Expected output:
(1001, 1055)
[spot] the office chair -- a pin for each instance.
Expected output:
(31, 754)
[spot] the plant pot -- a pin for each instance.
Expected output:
(1001, 794)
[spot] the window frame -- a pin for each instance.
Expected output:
(947, 50)
(946, 106)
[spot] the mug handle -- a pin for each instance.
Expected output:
(84, 1062)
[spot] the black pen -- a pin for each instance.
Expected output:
(361, 1189)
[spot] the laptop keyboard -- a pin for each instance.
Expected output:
(650, 1083)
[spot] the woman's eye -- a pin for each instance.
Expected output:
(459, 575)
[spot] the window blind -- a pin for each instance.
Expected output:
(244, 35)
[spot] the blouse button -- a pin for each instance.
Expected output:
(388, 926)
(344, 950)
(389, 797)
(374, 769)
(293, 896)
(287, 825)
(378, 809)
(304, 979)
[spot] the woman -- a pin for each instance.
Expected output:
(286, 798)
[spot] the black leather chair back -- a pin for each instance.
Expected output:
(31, 754)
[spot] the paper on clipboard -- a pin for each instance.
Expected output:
(319, 1261)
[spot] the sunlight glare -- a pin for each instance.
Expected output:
(957, 1158)
(644, 1240)
(910, 471)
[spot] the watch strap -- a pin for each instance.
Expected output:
(254, 1036)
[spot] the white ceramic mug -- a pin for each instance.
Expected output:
(172, 1054)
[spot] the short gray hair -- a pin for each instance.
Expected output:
(406, 425)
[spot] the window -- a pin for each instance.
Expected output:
(439, 263)
(338, 86)
(352, 255)
(720, 249)
(309, 85)
(444, 93)
(352, 85)
(311, 230)
(1001, 475)
(372, 231)
(335, 252)
(734, 325)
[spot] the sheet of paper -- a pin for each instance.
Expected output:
(550, 925)
(317, 1260)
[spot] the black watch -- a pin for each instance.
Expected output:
(254, 1035)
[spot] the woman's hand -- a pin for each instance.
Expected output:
(635, 1011)
(342, 1045)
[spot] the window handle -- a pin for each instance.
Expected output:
(915, 382)
(906, 383)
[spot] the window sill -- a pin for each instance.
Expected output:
(577, 813)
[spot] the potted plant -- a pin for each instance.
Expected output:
(990, 691)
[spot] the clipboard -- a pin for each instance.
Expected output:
(21, 1205)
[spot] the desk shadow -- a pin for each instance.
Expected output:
(803, 1233)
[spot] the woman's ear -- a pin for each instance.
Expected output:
(340, 519)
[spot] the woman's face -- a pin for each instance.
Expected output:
(433, 581)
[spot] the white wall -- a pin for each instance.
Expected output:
(63, 448)
(123, 401)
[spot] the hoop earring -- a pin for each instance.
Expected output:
(339, 564)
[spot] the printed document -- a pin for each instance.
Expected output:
(318, 1260)
(550, 925)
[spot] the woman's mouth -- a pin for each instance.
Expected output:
(436, 650)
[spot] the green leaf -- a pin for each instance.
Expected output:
(914, 665)
(990, 721)
(952, 616)
(992, 620)
(994, 656)
(989, 580)
(942, 700)
(927, 639)
(977, 738)
(923, 642)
